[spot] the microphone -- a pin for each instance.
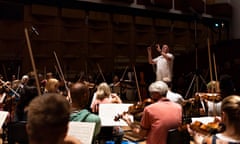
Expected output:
(34, 30)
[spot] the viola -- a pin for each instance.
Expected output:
(214, 97)
(209, 128)
(135, 109)
(89, 84)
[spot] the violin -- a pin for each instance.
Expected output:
(89, 84)
(214, 97)
(135, 109)
(209, 128)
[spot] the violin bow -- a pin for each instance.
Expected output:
(62, 76)
(57, 71)
(209, 59)
(45, 72)
(32, 60)
(18, 72)
(153, 66)
(100, 70)
(4, 71)
(12, 90)
(121, 79)
(138, 90)
(124, 73)
(210, 68)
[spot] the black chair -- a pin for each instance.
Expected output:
(17, 133)
(175, 137)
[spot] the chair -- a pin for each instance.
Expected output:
(175, 137)
(17, 133)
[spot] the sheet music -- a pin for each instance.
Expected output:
(204, 120)
(107, 113)
(82, 130)
(3, 116)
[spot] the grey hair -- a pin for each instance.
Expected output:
(160, 87)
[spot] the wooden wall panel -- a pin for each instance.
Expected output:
(72, 13)
(98, 16)
(143, 20)
(118, 18)
(86, 37)
(44, 10)
(162, 22)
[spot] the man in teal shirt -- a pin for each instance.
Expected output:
(80, 97)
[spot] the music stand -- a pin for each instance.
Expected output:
(197, 74)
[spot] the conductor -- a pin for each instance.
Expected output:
(164, 62)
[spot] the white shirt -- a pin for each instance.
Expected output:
(214, 108)
(174, 97)
(164, 67)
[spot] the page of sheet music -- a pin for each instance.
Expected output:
(107, 113)
(204, 120)
(3, 116)
(82, 130)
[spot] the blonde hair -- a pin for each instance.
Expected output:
(103, 91)
(52, 85)
(231, 106)
(213, 86)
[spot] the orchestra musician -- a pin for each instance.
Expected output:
(103, 95)
(158, 118)
(28, 93)
(52, 86)
(216, 91)
(230, 117)
(164, 62)
(173, 96)
(79, 112)
(48, 119)
(8, 98)
(115, 85)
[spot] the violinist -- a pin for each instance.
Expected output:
(224, 88)
(79, 112)
(230, 117)
(173, 96)
(48, 120)
(213, 106)
(52, 85)
(28, 93)
(115, 85)
(103, 95)
(158, 118)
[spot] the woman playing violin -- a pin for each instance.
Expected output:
(103, 95)
(230, 117)
(216, 90)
